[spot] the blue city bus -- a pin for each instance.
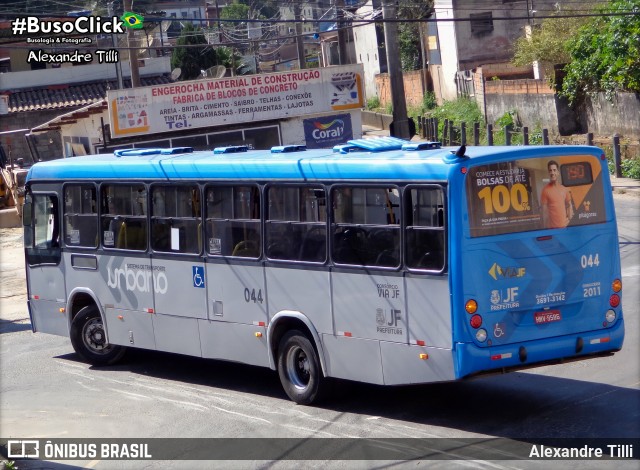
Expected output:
(381, 261)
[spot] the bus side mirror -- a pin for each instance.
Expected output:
(26, 214)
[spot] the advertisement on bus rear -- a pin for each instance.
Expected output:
(534, 194)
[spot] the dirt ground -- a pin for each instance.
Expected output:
(13, 289)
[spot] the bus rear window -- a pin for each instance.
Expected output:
(534, 194)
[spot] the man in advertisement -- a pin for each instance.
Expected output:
(555, 200)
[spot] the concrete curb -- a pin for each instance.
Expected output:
(626, 186)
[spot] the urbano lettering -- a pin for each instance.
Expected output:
(138, 280)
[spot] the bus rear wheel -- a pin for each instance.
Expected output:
(299, 368)
(89, 340)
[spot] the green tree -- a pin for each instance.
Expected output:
(548, 43)
(605, 54)
(235, 11)
(231, 58)
(409, 46)
(409, 33)
(198, 56)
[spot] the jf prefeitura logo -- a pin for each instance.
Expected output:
(73, 32)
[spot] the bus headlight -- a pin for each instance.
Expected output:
(610, 316)
(481, 335)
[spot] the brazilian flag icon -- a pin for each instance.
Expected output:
(132, 20)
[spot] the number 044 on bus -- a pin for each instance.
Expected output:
(378, 261)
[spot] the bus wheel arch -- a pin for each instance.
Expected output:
(78, 299)
(89, 339)
(296, 353)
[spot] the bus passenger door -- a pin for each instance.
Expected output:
(45, 266)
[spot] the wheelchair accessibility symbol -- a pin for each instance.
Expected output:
(198, 276)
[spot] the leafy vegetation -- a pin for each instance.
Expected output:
(429, 101)
(409, 33)
(191, 60)
(373, 103)
(409, 46)
(605, 54)
(602, 53)
(548, 44)
(235, 11)
(9, 465)
(631, 168)
(510, 122)
(460, 110)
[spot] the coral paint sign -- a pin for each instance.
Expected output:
(327, 131)
(232, 100)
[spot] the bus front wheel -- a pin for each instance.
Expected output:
(89, 340)
(299, 368)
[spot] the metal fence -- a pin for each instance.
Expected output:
(451, 134)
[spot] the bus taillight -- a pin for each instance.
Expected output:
(471, 306)
(614, 300)
(476, 321)
(616, 285)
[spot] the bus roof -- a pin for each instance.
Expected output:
(309, 165)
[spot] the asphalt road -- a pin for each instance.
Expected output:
(46, 392)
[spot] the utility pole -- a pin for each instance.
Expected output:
(422, 33)
(400, 122)
(114, 42)
(219, 24)
(299, 39)
(342, 33)
(133, 51)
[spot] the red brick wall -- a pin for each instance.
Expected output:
(525, 86)
(412, 88)
(505, 69)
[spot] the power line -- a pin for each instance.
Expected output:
(378, 20)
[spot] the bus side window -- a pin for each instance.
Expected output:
(123, 219)
(233, 221)
(80, 216)
(366, 226)
(296, 223)
(175, 221)
(425, 228)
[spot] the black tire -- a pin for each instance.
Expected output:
(89, 339)
(299, 368)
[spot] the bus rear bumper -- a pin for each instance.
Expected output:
(471, 360)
